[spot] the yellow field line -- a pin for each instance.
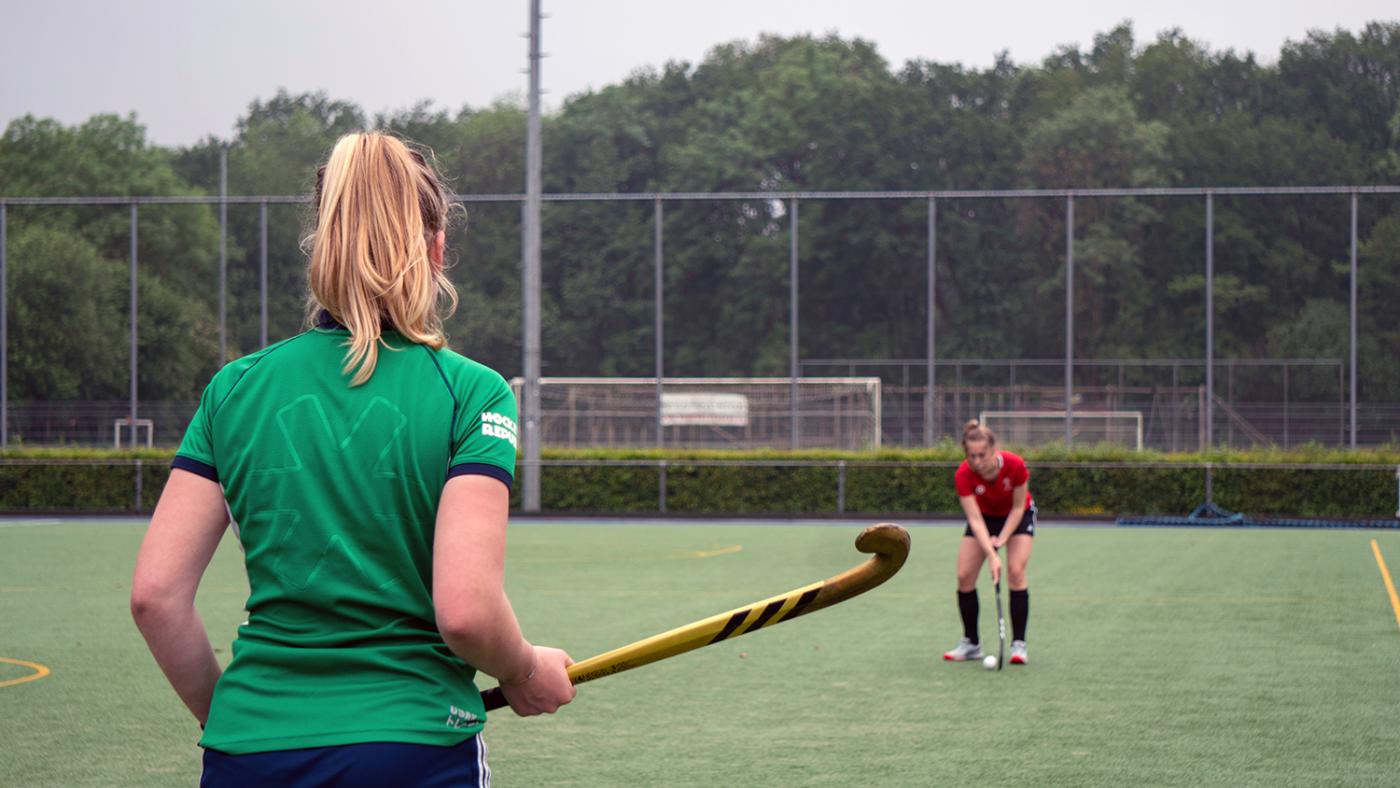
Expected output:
(40, 671)
(1389, 586)
(734, 548)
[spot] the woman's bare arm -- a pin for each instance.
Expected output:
(185, 530)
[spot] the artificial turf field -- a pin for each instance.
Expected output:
(1158, 657)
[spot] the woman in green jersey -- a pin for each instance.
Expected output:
(366, 470)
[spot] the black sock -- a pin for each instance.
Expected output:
(1020, 611)
(967, 606)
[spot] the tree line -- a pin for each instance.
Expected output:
(771, 115)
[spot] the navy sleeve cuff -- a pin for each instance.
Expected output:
(196, 467)
(481, 469)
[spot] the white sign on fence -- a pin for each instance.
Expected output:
(710, 410)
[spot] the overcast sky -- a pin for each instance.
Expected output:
(189, 68)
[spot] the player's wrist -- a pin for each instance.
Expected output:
(523, 677)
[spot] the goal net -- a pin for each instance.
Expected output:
(1089, 427)
(717, 413)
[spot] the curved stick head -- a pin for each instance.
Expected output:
(885, 540)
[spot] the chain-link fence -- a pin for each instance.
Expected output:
(1239, 317)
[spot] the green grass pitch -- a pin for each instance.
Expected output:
(1166, 657)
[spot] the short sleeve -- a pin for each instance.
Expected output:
(196, 452)
(1020, 474)
(486, 434)
(962, 480)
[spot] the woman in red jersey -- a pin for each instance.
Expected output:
(994, 490)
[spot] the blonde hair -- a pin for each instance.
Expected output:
(974, 431)
(378, 208)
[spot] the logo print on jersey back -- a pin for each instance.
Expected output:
(305, 545)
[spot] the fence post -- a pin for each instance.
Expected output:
(1208, 417)
(223, 256)
(132, 371)
(136, 476)
(930, 428)
(1069, 321)
(262, 274)
(1352, 339)
(792, 318)
(4, 341)
(659, 336)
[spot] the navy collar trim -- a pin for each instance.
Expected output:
(324, 320)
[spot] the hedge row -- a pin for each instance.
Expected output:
(883, 483)
(888, 489)
(81, 488)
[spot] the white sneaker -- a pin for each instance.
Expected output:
(1018, 652)
(964, 651)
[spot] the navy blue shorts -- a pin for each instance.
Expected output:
(995, 524)
(368, 765)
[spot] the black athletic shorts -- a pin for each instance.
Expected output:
(995, 524)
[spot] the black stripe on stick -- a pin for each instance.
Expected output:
(802, 603)
(767, 613)
(729, 626)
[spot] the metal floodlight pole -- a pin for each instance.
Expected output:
(792, 319)
(1069, 321)
(262, 274)
(530, 285)
(660, 323)
(930, 431)
(4, 338)
(1352, 339)
(223, 256)
(1208, 417)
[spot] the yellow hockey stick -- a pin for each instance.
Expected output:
(888, 542)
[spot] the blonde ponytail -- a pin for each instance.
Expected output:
(378, 208)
